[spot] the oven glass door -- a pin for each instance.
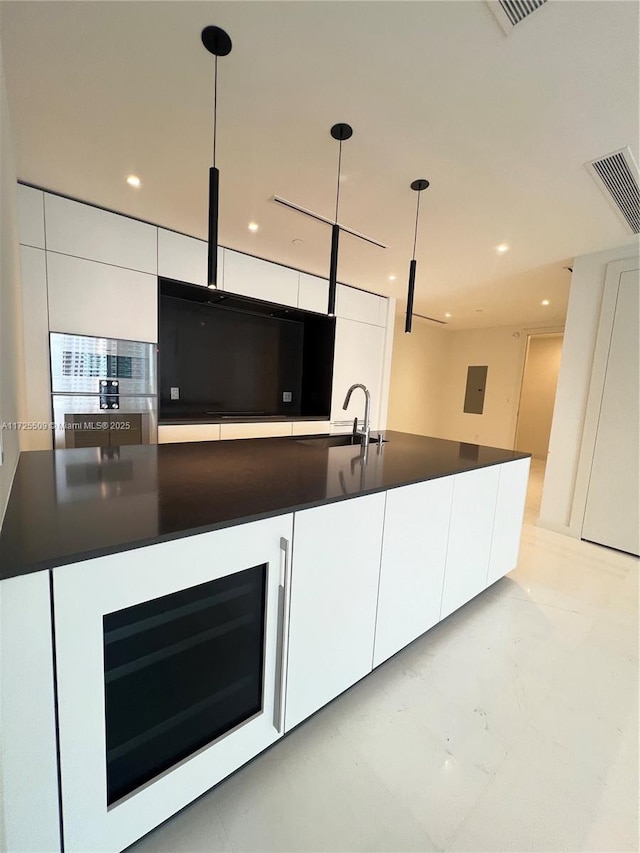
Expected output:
(79, 363)
(81, 421)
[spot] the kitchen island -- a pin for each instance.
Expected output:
(285, 569)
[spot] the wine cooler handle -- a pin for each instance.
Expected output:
(283, 635)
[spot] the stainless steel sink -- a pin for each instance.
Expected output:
(336, 440)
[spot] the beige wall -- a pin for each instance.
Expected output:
(502, 350)
(429, 376)
(415, 397)
(11, 384)
(538, 394)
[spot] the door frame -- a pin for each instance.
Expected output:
(533, 333)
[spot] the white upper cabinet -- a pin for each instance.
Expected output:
(184, 258)
(313, 293)
(260, 279)
(359, 357)
(87, 298)
(31, 216)
(87, 232)
(353, 304)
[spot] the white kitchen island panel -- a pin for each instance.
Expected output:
(29, 801)
(470, 535)
(507, 524)
(416, 532)
(334, 590)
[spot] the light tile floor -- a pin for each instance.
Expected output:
(511, 726)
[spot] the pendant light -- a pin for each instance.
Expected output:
(341, 132)
(418, 186)
(218, 43)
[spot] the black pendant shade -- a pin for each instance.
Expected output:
(418, 185)
(218, 43)
(341, 132)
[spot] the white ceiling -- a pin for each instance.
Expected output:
(500, 125)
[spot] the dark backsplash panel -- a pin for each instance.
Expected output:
(232, 357)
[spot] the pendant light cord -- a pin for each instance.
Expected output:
(338, 181)
(415, 233)
(215, 105)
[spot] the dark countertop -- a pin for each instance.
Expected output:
(71, 505)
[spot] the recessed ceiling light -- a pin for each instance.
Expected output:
(253, 226)
(134, 181)
(447, 315)
(545, 302)
(502, 248)
(392, 278)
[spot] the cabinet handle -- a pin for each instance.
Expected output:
(283, 635)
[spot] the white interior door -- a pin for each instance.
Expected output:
(612, 510)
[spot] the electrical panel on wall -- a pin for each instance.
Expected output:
(475, 390)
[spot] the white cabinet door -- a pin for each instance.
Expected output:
(260, 279)
(416, 529)
(87, 232)
(255, 430)
(354, 304)
(184, 258)
(313, 293)
(310, 427)
(84, 593)
(174, 433)
(359, 357)
(31, 216)
(507, 525)
(470, 533)
(29, 771)
(87, 298)
(334, 589)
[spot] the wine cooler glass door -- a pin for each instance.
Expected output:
(170, 675)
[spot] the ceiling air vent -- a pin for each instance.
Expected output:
(617, 176)
(508, 13)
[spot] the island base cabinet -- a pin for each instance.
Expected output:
(507, 525)
(170, 675)
(416, 531)
(29, 801)
(470, 535)
(334, 589)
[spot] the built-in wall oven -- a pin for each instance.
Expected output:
(104, 391)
